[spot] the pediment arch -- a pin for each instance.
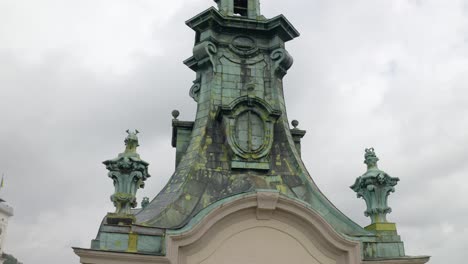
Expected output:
(260, 228)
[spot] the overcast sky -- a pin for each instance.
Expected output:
(74, 75)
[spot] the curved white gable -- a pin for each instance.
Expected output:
(262, 228)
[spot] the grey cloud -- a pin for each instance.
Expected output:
(62, 116)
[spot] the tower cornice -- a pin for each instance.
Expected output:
(213, 19)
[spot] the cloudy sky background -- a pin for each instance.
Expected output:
(74, 75)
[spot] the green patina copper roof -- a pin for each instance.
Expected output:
(240, 141)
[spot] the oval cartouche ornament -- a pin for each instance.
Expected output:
(250, 132)
(244, 46)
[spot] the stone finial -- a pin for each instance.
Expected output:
(370, 158)
(295, 124)
(128, 173)
(131, 141)
(175, 114)
(145, 202)
(374, 187)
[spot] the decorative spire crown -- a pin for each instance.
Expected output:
(370, 158)
(131, 141)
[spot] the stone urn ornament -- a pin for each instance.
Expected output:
(129, 174)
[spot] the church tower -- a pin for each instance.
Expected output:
(5, 213)
(240, 192)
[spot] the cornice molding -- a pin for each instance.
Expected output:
(278, 24)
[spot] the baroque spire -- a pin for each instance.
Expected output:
(239, 146)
